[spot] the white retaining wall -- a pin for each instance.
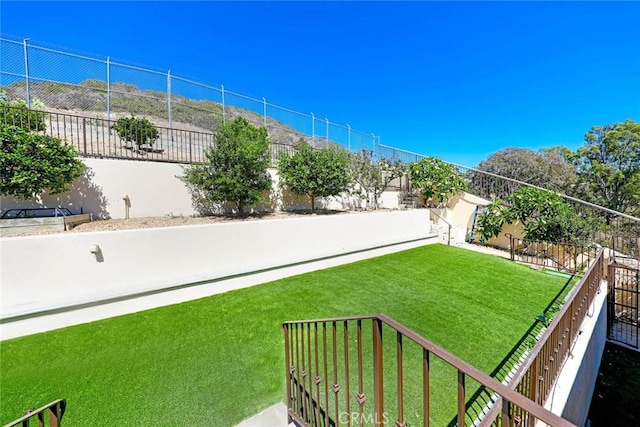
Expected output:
(52, 271)
(153, 189)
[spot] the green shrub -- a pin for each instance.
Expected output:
(137, 130)
(16, 113)
(32, 164)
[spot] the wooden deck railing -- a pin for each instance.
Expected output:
(337, 376)
(55, 409)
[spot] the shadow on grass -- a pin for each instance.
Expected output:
(477, 404)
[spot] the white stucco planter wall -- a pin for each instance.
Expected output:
(51, 271)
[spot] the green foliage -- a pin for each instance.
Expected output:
(490, 222)
(436, 180)
(544, 216)
(235, 170)
(16, 113)
(137, 130)
(373, 176)
(608, 167)
(315, 172)
(31, 164)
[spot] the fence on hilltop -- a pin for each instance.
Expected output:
(100, 88)
(84, 95)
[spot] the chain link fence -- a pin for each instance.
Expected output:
(100, 88)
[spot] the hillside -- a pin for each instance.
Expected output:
(89, 99)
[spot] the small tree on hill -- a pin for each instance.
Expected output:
(140, 131)
(31, 164)
(373, 176)
(235, 170)
(435, 180)
(316, 173)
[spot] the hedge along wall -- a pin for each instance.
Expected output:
(154, 190)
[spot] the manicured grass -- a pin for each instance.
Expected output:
(217, 360)
(616, 398)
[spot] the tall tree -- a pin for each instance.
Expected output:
(315, 172)
(373, 176)
(608, 166)
(235, 170)
(546, 168)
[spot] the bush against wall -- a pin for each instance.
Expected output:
(31, 164)
(235, 170)
(315, 172)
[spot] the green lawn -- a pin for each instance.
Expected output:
(219, 359)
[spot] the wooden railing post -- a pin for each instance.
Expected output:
(378, 381)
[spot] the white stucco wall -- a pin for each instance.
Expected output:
(154, 190)
(152, 187)
(50, 271)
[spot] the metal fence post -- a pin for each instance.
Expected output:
(264, 111)
(108, 89)
(223, 111)
(26, 71)
(169, 105)
(327, 121)
(313, 126)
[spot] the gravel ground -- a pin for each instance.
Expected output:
(174, 221)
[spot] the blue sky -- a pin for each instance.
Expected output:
(459, 80)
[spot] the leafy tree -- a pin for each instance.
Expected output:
(547, 168)
(137, 130)
(493, 219)
(373, 176)
(235, 170)
(315, 172)
(31, 164)
(16, 113)
(435, 180)
(544, 215)
(608, 167)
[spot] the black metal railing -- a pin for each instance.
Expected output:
(560, 256)
(94, 137)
